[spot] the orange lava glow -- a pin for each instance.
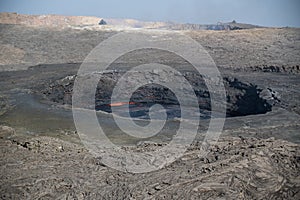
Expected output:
(120, 104)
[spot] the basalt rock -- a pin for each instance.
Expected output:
(234, 168)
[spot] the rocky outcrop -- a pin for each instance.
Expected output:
(102, 22)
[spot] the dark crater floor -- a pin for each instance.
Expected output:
(242, 98)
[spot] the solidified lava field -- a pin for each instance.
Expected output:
(42, 157)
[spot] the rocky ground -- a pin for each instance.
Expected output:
(42, 157)
(235, 168)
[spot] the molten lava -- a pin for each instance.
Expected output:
(121, 104)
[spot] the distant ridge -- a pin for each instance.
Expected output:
(87, 21)
(47, 20)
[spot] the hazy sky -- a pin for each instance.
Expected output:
(261, 12)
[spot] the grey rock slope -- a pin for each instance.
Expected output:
(265, 49)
